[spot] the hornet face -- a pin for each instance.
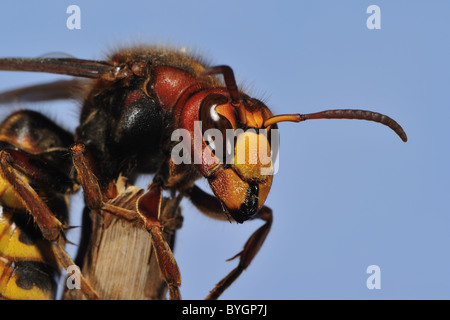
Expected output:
(236, 150)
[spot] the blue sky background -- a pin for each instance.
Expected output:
(348, 194)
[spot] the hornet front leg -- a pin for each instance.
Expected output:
(212, 207)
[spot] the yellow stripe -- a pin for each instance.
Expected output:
(10, 290)
(22, 258)
(13, 249)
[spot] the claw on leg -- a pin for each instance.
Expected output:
(148, 210)
(212, 207)
(148, 207)
(246, 256)
(66, 261)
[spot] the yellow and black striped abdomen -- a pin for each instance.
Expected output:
(27, 264)
(28, 267)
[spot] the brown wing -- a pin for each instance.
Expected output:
(56, 90)
(62, 89)
(67, 66)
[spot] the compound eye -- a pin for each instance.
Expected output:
(215, 126)
(211, 119)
